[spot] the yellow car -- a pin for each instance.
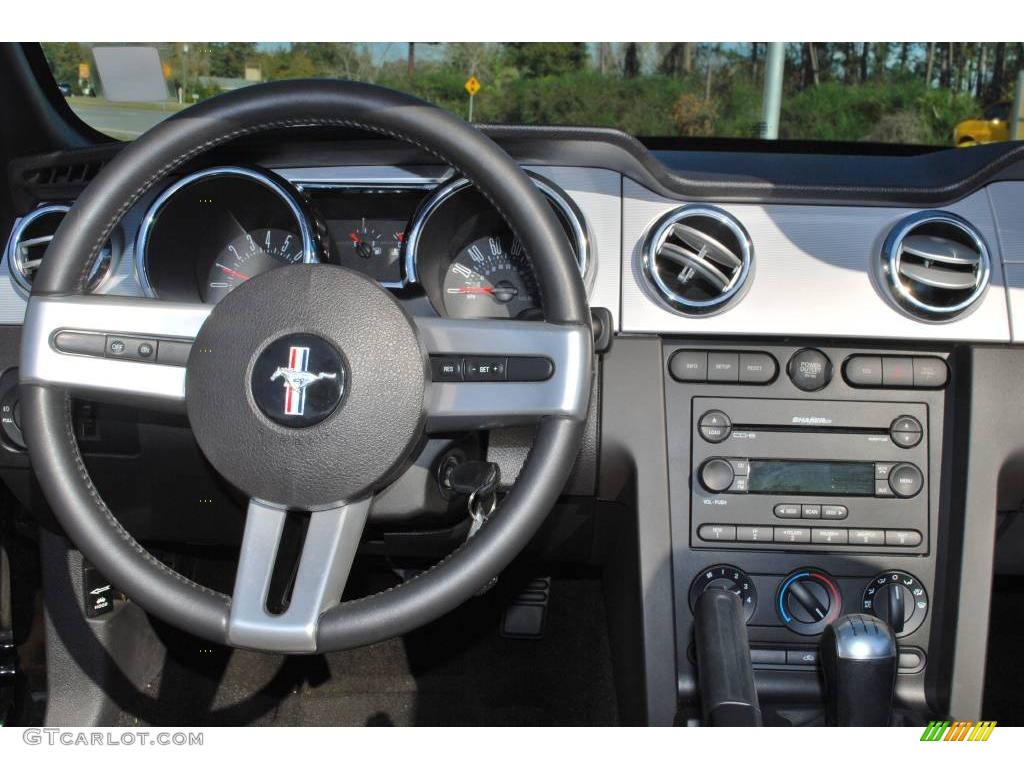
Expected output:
(994, 125)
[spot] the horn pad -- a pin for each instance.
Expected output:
(305, 386)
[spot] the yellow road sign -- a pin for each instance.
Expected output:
(472, 85)
(83, 71)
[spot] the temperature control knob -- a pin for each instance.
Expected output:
(808, 601)
(898, 599)
(726, 577)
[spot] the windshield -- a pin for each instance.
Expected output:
(936, 94)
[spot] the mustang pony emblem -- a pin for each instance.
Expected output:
(297, 378)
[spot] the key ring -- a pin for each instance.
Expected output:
(475, 513)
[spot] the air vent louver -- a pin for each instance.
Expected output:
(698, 259)
(29, 241)
(935, 265)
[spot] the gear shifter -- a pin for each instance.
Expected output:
(858, 656)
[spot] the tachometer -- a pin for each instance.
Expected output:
(248, 255)
(489, 278)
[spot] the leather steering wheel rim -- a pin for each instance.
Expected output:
(46, 411)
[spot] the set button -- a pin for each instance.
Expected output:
(699, 366)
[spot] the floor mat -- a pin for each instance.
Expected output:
(457, 671)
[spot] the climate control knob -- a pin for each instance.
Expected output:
(716, 475)
(726, 577)
(898, 599)
(808, 601)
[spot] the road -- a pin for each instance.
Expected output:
(120, 122)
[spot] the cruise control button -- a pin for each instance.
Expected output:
(867, 537)
(757, 368)
(902, 538)
(906, 480)
(828, 536)
(530, 369)
(863, 371)
(715, 426)
(687, 365)
(754, 533)
(834, 512)
(930, 372)
(787, 510)
(792, 535)
(712, 532)
(76, 343)
(485, 368)
(897, 372)
(446, 368)
(810, 370)
(173, 352)
(723, 366)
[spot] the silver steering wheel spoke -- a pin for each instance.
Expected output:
(484, 404)
(328, 551)
(91, 346)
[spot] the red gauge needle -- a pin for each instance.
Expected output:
(472, 289)
(233, 273)
(354, 237)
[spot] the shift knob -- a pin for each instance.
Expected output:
(858, 657)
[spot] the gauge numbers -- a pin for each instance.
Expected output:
(489, 278)
(248, 255)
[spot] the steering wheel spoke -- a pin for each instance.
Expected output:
(111, 347)
(330, 544)
(514, 392)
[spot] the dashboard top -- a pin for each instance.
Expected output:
(816, 225)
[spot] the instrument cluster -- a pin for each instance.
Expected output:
(212, 230)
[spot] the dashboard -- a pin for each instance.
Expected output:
(209, 231)
(801, 325)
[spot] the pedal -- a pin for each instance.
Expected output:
(524, 617)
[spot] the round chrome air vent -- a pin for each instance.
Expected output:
(30, 239)
(698, 259)
(935, 265)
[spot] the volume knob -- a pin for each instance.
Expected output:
(716, 475)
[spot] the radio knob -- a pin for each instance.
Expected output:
(905, 480)
(716, 475)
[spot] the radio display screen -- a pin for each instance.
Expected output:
(826, 478)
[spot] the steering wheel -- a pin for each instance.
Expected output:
(374, 398)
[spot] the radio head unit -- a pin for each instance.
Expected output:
(835, 475)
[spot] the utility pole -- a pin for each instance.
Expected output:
(412, 61)
(774, 68)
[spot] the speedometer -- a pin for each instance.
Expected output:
(489, 278)
(248, 255)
